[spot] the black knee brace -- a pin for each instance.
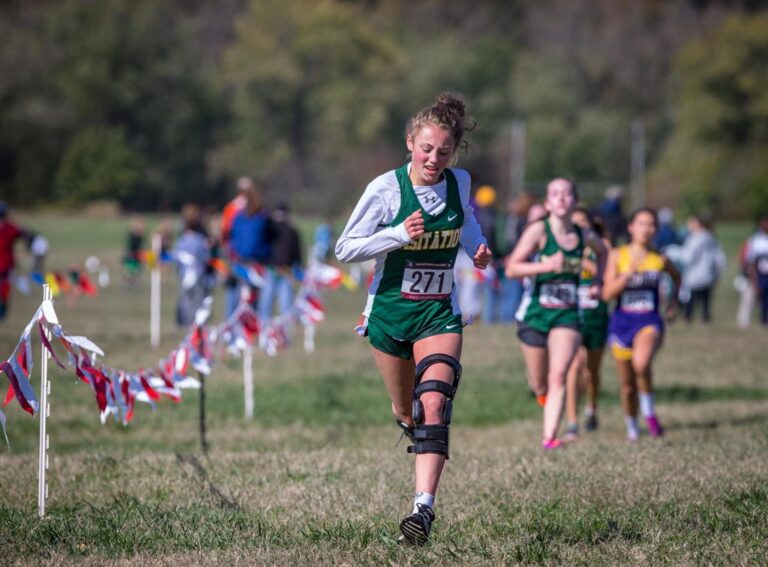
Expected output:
(433, 438)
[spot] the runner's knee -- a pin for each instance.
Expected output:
(628, 388)
(641, 367)
(433, 405)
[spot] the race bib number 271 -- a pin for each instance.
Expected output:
(427, 281)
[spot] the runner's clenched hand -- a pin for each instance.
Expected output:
(414, 225)
(482, 256)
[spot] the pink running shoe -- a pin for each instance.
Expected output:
(551, 444)
(654, 427)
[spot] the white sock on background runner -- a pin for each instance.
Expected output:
(423, 498)
(647, 407)
(632, 431)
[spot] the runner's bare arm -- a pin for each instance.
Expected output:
(614, 283)
(518, 263)
(597, 244)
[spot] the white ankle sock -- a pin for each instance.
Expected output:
(647, 407)
(423, 498)
(589, 412)
(632, 430)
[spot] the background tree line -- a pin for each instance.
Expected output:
(154, 103)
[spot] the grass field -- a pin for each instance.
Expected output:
(316, 478)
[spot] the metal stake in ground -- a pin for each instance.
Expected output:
(198, 333)
(248, 380)
(45, 409)
(203, 440)
(154, 297)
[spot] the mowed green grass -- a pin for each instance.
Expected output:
(316, 477)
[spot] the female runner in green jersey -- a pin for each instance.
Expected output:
(549, 253)
(584, 373)
(411, 221)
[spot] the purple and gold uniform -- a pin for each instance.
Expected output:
(637, 310)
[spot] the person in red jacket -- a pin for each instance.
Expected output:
(9, 234)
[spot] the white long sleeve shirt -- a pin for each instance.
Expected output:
(367, 236)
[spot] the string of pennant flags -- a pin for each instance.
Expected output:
(116, 391)
(74, 281)
(86, 279)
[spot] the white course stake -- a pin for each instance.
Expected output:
(45, 410)
(154, 300)
(248, 381)
(309, 338)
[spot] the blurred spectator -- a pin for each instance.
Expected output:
(666, 233)
(489, 280)
(244, 184)
(468, 288)
(133, 259)
(515, 220)
(744, 286)
(323, 242)
(191, 253)
(215, 262)
(514, 223)
(231, 210)
(38, 247)
(610, 210)
(757, 264)
(249, 240)
(164, 232)
(285, 261)
(9, 234)
(703, 261)
(485, 213)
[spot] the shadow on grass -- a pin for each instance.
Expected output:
(693, 394)
(757, 418)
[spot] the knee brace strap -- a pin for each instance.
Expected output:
(439, 358)
(448, 390)
(433, 438)
(430, 439)
(444, 388)
(433, 386)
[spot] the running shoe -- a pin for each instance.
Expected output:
(654, 427)
(571, 433)
(551, 444)
(415, 527)
(632, 436)
(590, 424)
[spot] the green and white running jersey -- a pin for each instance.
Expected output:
(593, 310)
(416, 283)
(412, 295)
(551, 300)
